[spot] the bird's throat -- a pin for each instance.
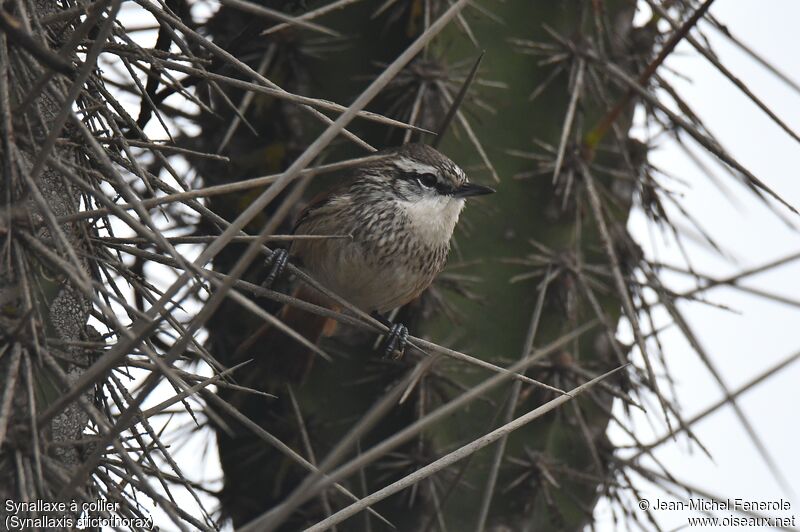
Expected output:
(432, 219)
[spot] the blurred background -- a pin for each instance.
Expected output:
(751, 333)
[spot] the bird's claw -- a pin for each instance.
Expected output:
(395, 344)
(278, 261)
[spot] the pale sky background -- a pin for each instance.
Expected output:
(756, 333)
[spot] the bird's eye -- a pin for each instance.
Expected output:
(427, 180)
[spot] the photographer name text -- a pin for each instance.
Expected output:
(731, 505)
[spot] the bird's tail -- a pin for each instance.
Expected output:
(284, 358)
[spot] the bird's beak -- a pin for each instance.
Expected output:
(472, 189)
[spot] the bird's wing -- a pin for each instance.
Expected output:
(316, 205)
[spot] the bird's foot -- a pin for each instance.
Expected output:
(394, 345)
(277, 261)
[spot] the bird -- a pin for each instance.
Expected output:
(400, 211)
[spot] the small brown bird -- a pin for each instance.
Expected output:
(401, 211)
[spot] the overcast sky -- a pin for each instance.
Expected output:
(756, 333)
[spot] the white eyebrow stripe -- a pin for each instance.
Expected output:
(410, 165)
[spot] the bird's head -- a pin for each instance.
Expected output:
(426, 184)
(417, 172)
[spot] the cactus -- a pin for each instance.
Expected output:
(550, 472)
(496, 416)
